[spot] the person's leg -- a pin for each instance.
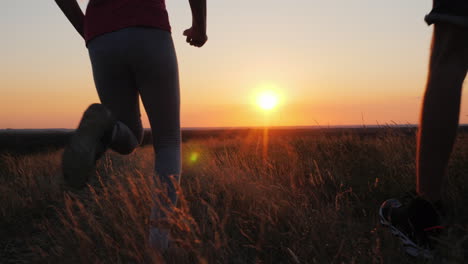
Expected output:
(116, 122)
(441, 108)
(415, 221)
(157, 77)
(117, 89)
(156, 71)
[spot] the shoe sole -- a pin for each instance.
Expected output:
(409, 246)
(79, 157)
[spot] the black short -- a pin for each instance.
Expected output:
(449, 11)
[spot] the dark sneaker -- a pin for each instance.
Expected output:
(86, 145)
(415, 224)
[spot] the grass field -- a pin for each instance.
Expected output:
(312, 199)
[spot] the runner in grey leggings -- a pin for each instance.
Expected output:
(132, 55)
(142, 61)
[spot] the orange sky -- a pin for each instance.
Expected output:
(352, 62)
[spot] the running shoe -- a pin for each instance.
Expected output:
(86, 145)
(417, 224)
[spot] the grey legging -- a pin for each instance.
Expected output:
(141, 61)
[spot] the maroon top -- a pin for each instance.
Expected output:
(103, 16)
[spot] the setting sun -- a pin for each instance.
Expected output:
(267, 100)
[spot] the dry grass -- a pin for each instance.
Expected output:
(312, 200)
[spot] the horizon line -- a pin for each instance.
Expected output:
(255, 127)
(251, 127)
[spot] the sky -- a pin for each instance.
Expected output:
(335, 62)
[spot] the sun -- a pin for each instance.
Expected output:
(267, 100)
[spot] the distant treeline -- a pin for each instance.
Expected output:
(26, 142)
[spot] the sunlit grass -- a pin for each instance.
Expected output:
(310, 200)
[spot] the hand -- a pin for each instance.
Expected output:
(195, 37)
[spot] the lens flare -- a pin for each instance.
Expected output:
(194, 157)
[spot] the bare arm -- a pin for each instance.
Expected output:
(72, 11)
(198, 14)
(196, 35)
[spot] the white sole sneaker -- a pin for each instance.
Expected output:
(79, 157)
(409, 246)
